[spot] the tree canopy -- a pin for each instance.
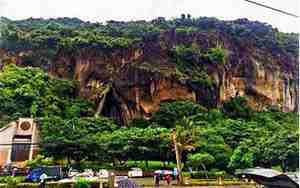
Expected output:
(30, 92)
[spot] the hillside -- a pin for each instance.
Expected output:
(128, 69)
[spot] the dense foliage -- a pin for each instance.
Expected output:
(74, 34)
(72, 138)
(195, 45)
(227, 138)
(52, 36)
(30, 92)
(237, 140)
(216, 141)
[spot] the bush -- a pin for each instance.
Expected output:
(218, 54)
(82, 183)
(185, 31)
(211, 175)
(39, 160)
(237, 107)
(186, 52)
(152, 165)
(200, 160)
(11, 181)
(27, 185)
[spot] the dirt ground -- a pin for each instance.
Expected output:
(148, 183)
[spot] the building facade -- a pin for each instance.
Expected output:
(18, 142)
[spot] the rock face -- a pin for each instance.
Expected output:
(265, 88)
(135, 92)
(138, 79)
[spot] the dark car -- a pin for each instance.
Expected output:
(53, 173)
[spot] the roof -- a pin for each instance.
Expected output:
(269, 177)
(265, 172)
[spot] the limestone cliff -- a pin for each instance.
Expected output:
(132, 82)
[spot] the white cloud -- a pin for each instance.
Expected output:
(102, 10)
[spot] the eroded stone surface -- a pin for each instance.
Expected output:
(141, 78)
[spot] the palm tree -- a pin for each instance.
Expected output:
(102, 100)
(182, 137)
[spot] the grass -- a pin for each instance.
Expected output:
(152, 165)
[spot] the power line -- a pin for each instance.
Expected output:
(275, 9)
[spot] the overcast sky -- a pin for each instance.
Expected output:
(102, 10)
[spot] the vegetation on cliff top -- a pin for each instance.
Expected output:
(192, 62)
(195, 45)
(62, 32)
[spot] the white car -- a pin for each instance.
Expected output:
(135, 172)
(103, 173)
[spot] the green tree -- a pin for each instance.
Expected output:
(237, 107)
(280, 149)
(171, 112)
(201, 160)
(218, 54)
(38, 161)
(183, 140)
(72, 138)
(141, 144)
(30, 92)
(208, 140)
(242, 157)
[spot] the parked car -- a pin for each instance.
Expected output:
(135, 172)
(53, 173)
(87, 173)
(72, 172)
(103, 173)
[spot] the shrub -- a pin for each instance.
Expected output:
(211, 175)
(27, 185)
(218, 54)
(186, 52)
(82, 183)
(237, 107)
(40, 160)
(200, 160)
(183, 31)
(12, 182)
(152, 165)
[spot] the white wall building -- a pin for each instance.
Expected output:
(18, 142)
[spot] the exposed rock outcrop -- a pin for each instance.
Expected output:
(143, 76)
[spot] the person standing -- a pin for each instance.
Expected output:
(43, 178)
(156, 180)
(14, 172)
(168, 179)
(175, 174)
